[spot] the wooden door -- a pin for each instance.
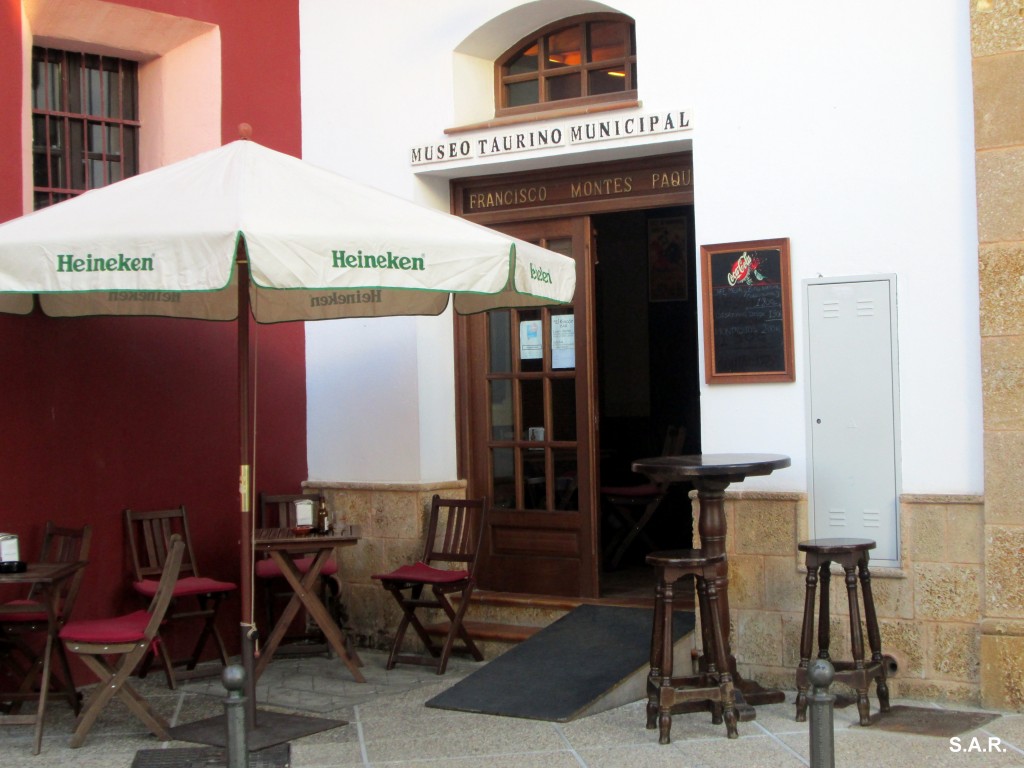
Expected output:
(528, 430)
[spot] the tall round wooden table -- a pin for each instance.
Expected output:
(711, 474)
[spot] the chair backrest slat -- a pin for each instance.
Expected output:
(65, 545)
(149, 541)
(462, 532)
(152, 558)
(675, 436)
(161, 535)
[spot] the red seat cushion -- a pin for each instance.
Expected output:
(27, 617)
(190, 585)
(129, 628)
(421, 572)
(268, 569)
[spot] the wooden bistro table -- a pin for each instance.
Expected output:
(711, 474)
(49, 577)
(283, 546)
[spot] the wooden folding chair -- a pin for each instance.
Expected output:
(149, 535)
(454, 533)
(23, 622)
(279, 511)
(129, 638)
(634, 505)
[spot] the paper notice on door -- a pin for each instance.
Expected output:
(531, 343)
(563, 341)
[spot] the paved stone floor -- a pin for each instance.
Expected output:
(389, 726)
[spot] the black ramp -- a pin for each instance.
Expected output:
(562, 670)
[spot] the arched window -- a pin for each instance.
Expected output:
(577, 61)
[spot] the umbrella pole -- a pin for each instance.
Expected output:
(248, 630)
(273, 728)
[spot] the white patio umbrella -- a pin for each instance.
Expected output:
(244, 227)
(319, 246)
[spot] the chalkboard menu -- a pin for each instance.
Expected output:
(748, 335)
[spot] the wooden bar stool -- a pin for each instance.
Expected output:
(852, 555)
(715, 685)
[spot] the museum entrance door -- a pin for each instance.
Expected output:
(528, 415)
(551, 399)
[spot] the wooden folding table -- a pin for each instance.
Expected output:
(284, 546)
(49, 576)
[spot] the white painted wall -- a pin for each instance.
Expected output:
(848, 129)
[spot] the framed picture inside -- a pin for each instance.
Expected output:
(667, 248)
(748, 326)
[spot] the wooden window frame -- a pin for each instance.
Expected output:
(123, 118)
(628, 62)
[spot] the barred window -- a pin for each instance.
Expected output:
(583, 60)
(85, 126)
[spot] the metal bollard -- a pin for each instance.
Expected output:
(820, 674)
(233, 678)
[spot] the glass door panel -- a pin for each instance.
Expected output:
(503, 488)
(563, 410)
(532, 408)
(500, 341)
(566, 479)
(531, 428)
(502, 414)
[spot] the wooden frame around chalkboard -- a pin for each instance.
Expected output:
(748, 315)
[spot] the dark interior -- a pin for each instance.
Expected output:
(648, 376)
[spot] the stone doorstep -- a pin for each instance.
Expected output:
(554, 602)
(511, 617)
(489, 631)
(504, 606)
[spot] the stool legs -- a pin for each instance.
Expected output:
(726, 705)
(806, 641)
(667, 663)
(857, 673)
(654, 677)
(856, 639)
(715, 686)
(874, 639)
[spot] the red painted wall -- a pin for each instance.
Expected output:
(99, 414)
(10, 111)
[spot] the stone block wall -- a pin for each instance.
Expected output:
(930, 609)
(997, 49)
(393, 522)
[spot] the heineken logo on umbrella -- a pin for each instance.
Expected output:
(540, 274)
(68, 262)
(360, 260)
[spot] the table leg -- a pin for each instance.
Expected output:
(266, 653)
(713, 527)
(50, 601)
(305, 594)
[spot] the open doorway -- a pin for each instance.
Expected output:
(648, 379)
